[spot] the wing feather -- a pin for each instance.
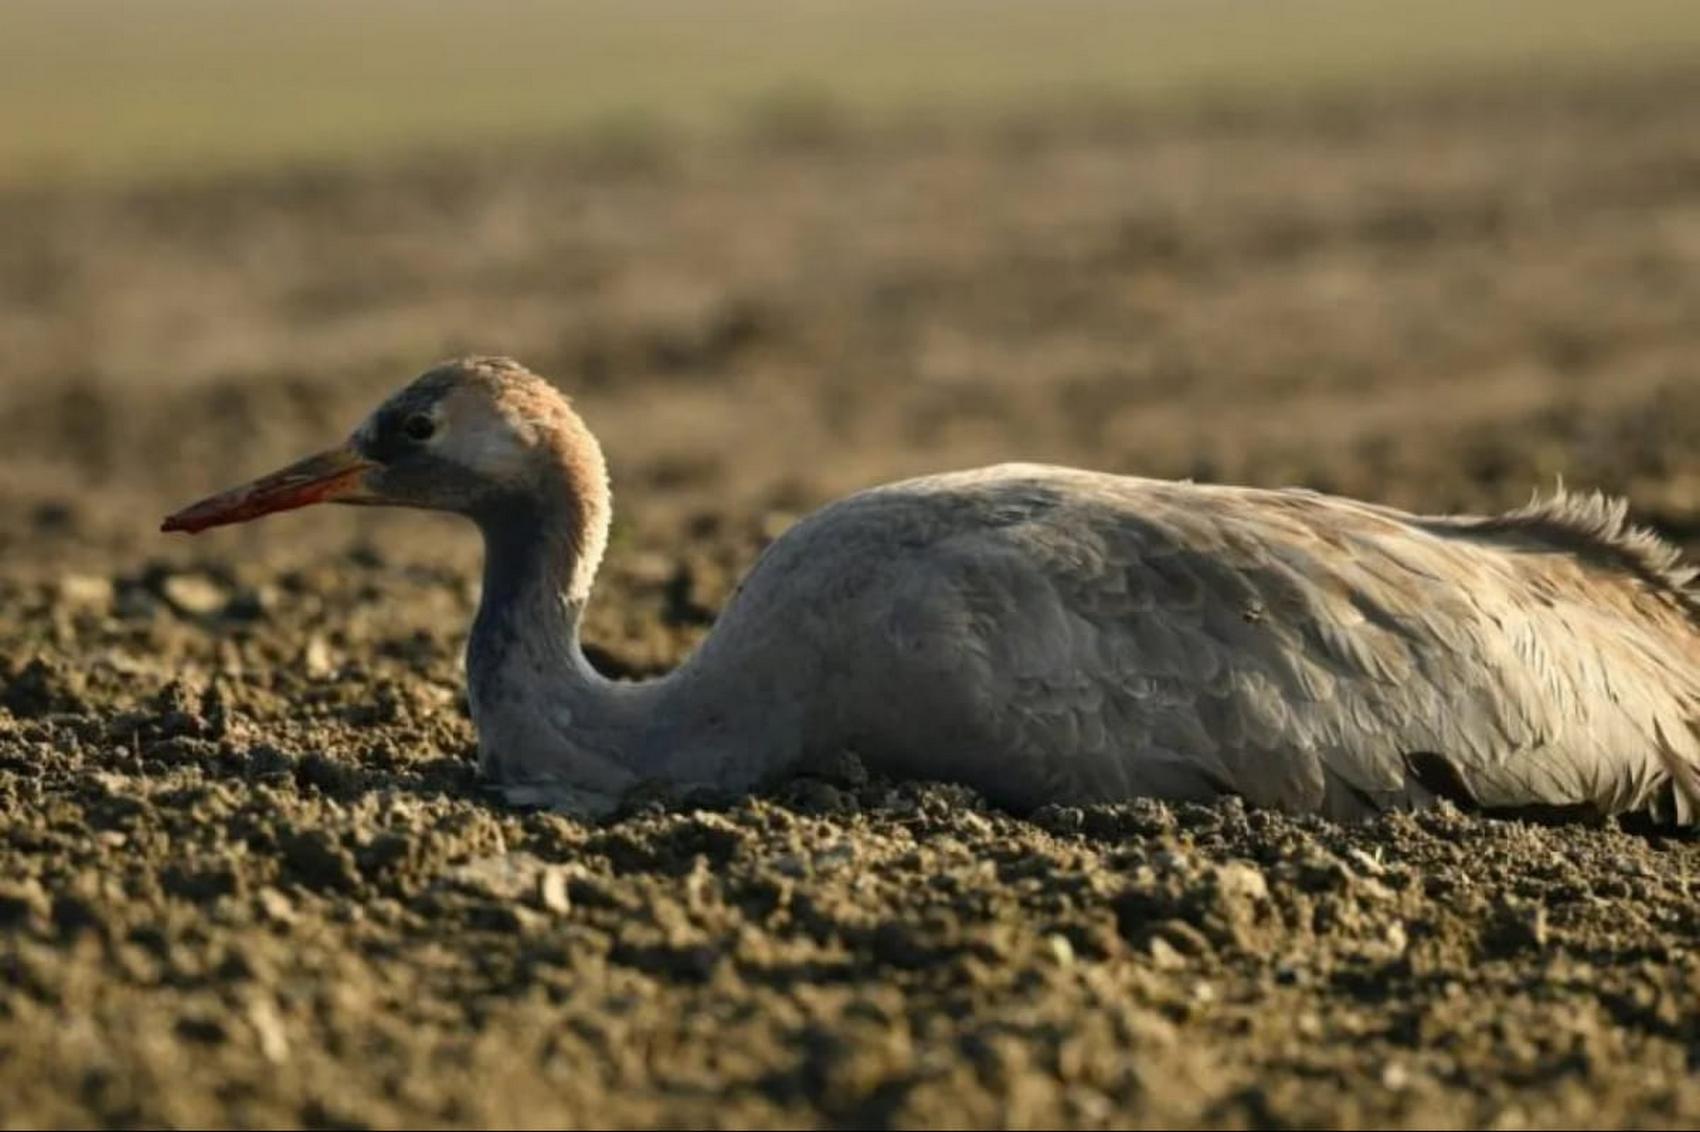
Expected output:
(1134, 635)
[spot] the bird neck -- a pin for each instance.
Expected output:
(540, 707)
(543, 544)
(573, 510)
(537, 576)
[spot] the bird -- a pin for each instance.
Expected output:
(1055, 636)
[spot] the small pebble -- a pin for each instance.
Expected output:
(193, 595)
(552, 894)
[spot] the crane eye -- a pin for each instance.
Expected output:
(419, 427)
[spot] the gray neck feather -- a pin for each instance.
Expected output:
(548, 722)
(542, 711)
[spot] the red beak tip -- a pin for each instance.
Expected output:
(180, 523)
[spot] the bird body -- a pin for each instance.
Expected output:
(1056, 635)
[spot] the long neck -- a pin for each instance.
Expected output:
(548, 723)
(544, 542)
(542, 711)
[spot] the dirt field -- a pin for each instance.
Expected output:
(247, 874)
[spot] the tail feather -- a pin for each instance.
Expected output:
(1684, 775)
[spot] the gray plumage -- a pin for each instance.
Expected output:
(1050, 634)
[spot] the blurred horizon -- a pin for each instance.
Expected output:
(103, 90)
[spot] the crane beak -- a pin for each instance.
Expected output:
(336, 475)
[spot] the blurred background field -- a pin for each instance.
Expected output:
(1433, 254)
(113, 88)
